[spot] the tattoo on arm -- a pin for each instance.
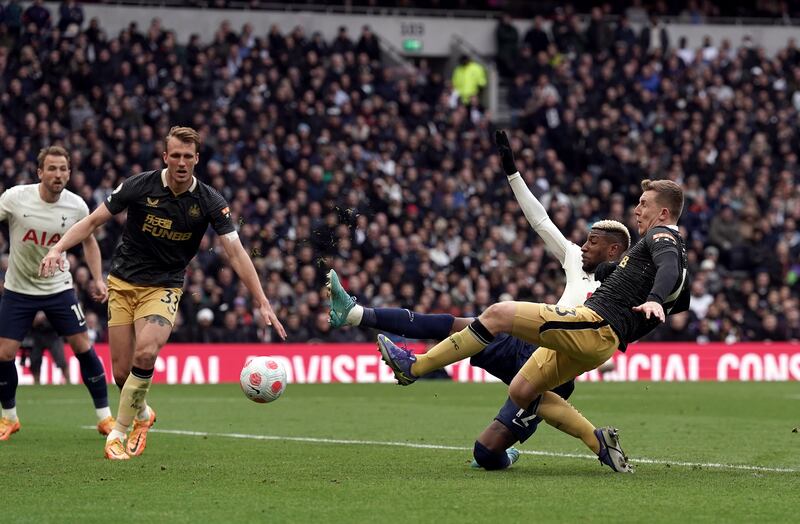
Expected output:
(157, 319)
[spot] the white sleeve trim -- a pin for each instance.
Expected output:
(554, 240)
(231, 237)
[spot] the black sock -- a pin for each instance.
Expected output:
(94, 378)
(409, 324)
(8, 384)
(480, 332)
(142, 373)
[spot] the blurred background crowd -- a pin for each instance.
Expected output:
(330, 159)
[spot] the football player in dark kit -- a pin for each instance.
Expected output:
(169, 211)
(648, 284)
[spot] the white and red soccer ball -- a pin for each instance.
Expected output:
(263, 379)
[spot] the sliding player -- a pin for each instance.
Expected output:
(607, 241)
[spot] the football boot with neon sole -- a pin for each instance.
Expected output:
(105, 426)
(8, 428)
(115, 450)
(399, 359)
(611, 453)
(137, 440)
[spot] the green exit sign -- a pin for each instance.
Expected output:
(412, 45)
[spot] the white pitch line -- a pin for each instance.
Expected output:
(316, 440)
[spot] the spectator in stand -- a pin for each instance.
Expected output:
(507, 39)
(70, 12)
(469, 79)
(654, 36)
(536, 38)
(368, 44)
(38, 15)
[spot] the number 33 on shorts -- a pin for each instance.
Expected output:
(171, 298)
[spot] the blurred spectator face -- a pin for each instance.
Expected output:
(679, 321)
(205, 317)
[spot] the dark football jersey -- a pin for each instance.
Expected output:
(632, 281)
(163, 230)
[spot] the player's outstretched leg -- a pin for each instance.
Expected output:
(342, 304)
(9, 423)
(399, 359)
(399, 321)
(611, 453)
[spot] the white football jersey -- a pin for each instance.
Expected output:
(35, 226)
(580, 284)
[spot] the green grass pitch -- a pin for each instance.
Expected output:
(704, 452)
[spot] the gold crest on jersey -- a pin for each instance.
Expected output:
(194, 211)
(152, 202)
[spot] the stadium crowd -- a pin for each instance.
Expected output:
(331, 159)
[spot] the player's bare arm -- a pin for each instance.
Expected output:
(77, 233)
(243, 266)
(91, 251)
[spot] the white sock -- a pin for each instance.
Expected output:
(116, 434)
(144, 414)
(103, 413)
(354, 316)
(10, 414)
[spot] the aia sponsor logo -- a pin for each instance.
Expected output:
(41, 239)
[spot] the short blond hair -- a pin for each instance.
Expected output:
(187, 135)
(668, 194)
(51, 151)
(615, 229)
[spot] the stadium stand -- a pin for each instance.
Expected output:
(331, 159)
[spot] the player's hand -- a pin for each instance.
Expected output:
(652, 308)
(506, 154)
(52, 261)
(269, 317)
(98, 291)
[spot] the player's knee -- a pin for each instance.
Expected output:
(8, 349)
(498, 318)
(490, 459)
(145, 355)
(521, 393)
(79, 344)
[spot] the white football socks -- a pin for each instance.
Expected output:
(10, 414)
(103, 413)
(354, 315)
(115, 433)
(144, 414)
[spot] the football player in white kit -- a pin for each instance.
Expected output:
(583, 266)
(38, 215)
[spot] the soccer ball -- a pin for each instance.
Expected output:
(263, 379)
